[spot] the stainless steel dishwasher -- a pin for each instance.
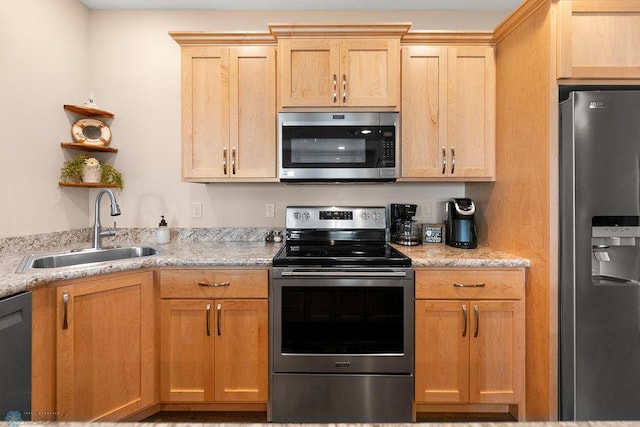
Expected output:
(15, 358)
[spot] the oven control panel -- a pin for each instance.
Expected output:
(336, 217)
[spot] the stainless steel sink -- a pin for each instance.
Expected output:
(83, 256)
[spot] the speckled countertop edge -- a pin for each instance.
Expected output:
(203, 248)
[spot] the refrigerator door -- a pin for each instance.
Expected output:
(599, 257)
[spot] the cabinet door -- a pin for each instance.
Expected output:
(309, 72)
(424, 111)
(105, 348)
(471, 115)
(187, 348)
(496, 351)
(598, 39)
(253, 136)
(442, 352)
(241, 351)
(205, 112)
(369, 73)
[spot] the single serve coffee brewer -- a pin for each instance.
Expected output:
(460, 223)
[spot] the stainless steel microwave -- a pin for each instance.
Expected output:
(338, 146)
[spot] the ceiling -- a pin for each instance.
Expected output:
(305, 4)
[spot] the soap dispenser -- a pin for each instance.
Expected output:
(162, 235)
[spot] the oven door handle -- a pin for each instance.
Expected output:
(344, 274)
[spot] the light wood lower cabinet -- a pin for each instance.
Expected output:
(469, 336)
(105, 347)
(214, 336)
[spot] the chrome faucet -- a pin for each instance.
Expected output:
(98, 234)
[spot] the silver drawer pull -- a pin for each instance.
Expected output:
(464, 320)
(214, 285)
(208, 313)
(65, 307)
(477, 314)
(474, 285)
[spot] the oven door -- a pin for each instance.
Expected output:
(342, 321)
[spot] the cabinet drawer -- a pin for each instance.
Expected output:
(223, 283)
(501, 283)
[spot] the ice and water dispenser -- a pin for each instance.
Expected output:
(615, 243)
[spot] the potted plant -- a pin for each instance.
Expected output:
(80, 169)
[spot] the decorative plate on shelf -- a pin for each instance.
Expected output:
(91, 131)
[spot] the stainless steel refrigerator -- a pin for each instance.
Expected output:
(600, 256)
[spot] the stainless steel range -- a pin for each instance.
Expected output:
(341, 311)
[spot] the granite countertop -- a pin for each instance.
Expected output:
(214, 253)
(441, 255)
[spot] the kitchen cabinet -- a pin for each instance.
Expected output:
(214, 336)
(598, 39)
(105, 358)
(469, 337)
(448, 107)
(339, 66)
(228, 110)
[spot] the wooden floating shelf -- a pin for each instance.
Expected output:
(87, 184)
(89, 111)
(88, 147)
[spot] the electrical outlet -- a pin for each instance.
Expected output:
(426, 210)
(196, 209)
(429, 213)
(270, 210)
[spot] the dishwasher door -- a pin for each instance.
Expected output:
(15, 358)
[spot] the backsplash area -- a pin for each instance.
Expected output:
(82, 238)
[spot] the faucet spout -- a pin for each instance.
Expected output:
(97, 227)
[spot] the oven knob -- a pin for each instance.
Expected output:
(375, 216)
(296, 215)
(366, 216)
(306, 216)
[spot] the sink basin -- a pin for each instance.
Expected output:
(83, 256)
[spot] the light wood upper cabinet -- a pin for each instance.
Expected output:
(448, 108)
(598, 39)
(339, 66)
(214, 336)
(105, 347)
(228, 113)
(340, 73)
(469, 336)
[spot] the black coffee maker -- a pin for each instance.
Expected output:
(460, 223)
(404, 230)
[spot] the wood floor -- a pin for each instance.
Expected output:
(261, 417)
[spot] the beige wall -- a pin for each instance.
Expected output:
(60, 53)
(43, 65)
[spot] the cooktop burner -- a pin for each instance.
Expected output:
(337, 236)
(353, 254)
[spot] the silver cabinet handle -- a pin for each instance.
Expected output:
(219, 315)
(453, 160)
(214, 285)
(335, 88)
(464, 320)
(233, 161)
(473, 285)
(208, 314)
(224, 160)
(475, 312)
(344, 88)
(444, 160)
(65, 304)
